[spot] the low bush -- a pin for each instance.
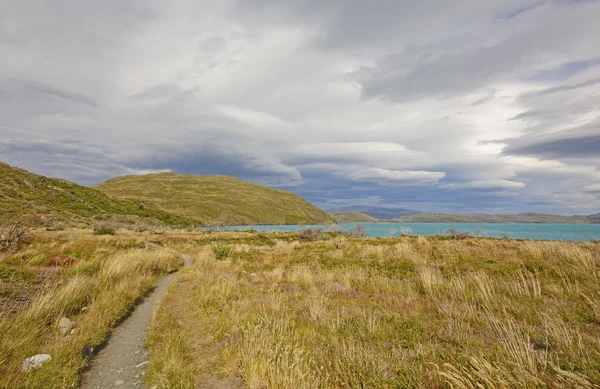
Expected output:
(454, 233)
(358, 231)
(104, 229)
(56, 226)
(12, 234)
(151, 228)
(308, 235)
(221, 252)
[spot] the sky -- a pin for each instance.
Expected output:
(433, 105)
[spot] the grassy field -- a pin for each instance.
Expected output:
(217, 200)
(286, 311)
(93, 280)
(412, 312)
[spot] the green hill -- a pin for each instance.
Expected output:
(217, 200)
(353, 217)
(23, 192)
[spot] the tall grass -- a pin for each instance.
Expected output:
(410, 312)
(107, 281)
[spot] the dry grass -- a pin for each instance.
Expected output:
(391, 313)
(109, 275)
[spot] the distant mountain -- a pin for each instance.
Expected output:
(381, 213)
(216, 200)
(353, 217)
(528, 217)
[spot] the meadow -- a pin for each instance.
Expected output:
(308, 310)
(410, 312)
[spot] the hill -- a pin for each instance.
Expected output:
(23, 192)
(529, 217)
(381, 213)
(217, 200)
(353, 217)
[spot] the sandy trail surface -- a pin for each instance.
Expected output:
(123, 361)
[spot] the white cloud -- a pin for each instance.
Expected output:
(386, 176)
(495, 184)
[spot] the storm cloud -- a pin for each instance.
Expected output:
(463, 106)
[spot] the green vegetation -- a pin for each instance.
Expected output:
(216, 200)
(104, 229)
(353, 217)
(409, 312)
(221, 252)
(23, 193)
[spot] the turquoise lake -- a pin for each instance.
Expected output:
(571, 232)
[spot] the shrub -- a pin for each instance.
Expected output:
(454, 233)
(358, 231)
(13, 234)
(309, 235)
(221, 252)
(151, 228)
(104, 229)
(333, 228)
(405, 231)
(56, 226)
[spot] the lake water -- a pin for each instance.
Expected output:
(572, 232)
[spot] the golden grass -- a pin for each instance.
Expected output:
(389, 313)
(216, 200)
(113, 273)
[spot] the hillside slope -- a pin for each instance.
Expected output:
(217, 200)
(23, 192)
(353, 217)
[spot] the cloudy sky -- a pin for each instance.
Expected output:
(433, 105)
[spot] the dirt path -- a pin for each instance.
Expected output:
(122, 363)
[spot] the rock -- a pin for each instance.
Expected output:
(252, 275)
(88, 351)
(74, 331)
(119, 382)
(35, 362)
(65, 325)
(84, 309)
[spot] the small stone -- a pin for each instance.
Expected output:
(35, 362)
(137, 376)
(74, 331)
(252, 275)
(89, 351)
(65, 325)
(84, 309)
(119, 382)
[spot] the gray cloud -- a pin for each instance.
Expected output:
(392, 102)
(565, 88)
(579, 142)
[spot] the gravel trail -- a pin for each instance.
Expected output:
(123, 361)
